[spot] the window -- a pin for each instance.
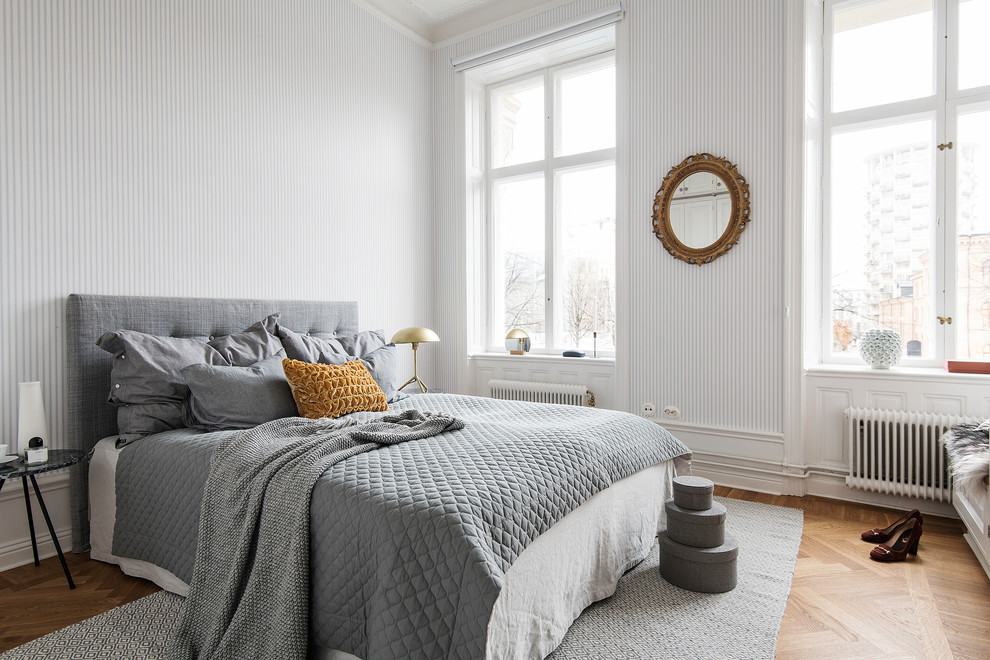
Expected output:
(907, 197)
(550, 181)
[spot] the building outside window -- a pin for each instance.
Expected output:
(551, 214)
(907, 137)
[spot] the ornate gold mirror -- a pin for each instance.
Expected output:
(701, 209)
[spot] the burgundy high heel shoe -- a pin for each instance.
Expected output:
(877, 535)
(907, 537)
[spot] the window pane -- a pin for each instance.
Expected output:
(972, 310)
(586, 211)
(882, 52)
(881, 223)
(974, 47)
(520, 286)
(586, 106)
(518, 124)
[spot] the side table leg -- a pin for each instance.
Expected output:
(27, 503)
(51, 530)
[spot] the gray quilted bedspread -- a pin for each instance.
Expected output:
(409, 543)
(249, 596)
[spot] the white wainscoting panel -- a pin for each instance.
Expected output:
(833, 454)
(15, 541)
(257, 149)
(887, 400)
(829, 391)
(597, 375)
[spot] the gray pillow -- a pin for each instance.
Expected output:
(146, 375)
(137, 420)
(146, 367)
(362, 343)
(307, 348)
(255, 343)
(383, 364)
(239, 397)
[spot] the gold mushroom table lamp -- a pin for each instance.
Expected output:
(414, 336)
(517, 341)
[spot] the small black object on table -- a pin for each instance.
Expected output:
(57, 460)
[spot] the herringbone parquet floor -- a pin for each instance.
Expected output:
(845, 605)
(842, 604)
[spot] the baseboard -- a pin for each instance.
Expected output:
(835, 487)
(727, 472)
(763, 476)
(975, 547)
(15, 536)
(18, 553)
(736, 443)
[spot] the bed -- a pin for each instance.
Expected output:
(540, 584)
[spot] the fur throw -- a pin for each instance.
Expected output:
(969, 453)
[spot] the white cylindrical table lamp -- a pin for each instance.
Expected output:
(31, 419)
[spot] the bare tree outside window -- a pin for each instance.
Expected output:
(589, 304)
(524, 286)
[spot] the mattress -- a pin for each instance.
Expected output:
(576, 561)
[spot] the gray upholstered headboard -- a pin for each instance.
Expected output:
(90, 417)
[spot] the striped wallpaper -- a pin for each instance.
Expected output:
(306, 149)
(701, 75)
(235, 148)
(707, 76)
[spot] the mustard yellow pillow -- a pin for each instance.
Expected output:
(328, 390)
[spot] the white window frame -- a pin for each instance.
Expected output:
(549, 167)
(943, 106)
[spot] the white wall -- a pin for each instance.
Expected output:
(694, 76)
(259, 149)
(723, 341)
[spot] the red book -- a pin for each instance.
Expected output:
(967, 367)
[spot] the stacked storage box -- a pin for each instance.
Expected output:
(695, 553)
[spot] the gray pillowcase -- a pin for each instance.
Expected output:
(256, 343)
(239, 397)
(362, 343)
(134, 421)
(307, 348)
(146, 379)
(383, 364)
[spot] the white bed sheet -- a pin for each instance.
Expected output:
(573, 564)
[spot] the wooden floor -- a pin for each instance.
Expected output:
(845, 605)
(842, 604)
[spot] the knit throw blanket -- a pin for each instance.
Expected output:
(968, 446)
(249, 595)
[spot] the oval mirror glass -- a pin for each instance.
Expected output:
(700, 209)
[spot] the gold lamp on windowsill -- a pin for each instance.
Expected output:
(414, 336)
(517, 341)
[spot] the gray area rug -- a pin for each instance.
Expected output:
(645, 618)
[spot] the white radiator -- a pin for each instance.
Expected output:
(898, 452)
(524, 390)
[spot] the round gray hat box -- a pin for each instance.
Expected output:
(706, 570)
(693, 492)
(699, 529)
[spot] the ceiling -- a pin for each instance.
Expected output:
(439, 20)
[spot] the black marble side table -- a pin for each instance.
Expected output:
(57, 460)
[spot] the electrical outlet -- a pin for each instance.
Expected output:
(672, 412)
(649, 410)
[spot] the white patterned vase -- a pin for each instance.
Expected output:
(881, 349)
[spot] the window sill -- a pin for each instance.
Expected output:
(896, 373)
(544, 357)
